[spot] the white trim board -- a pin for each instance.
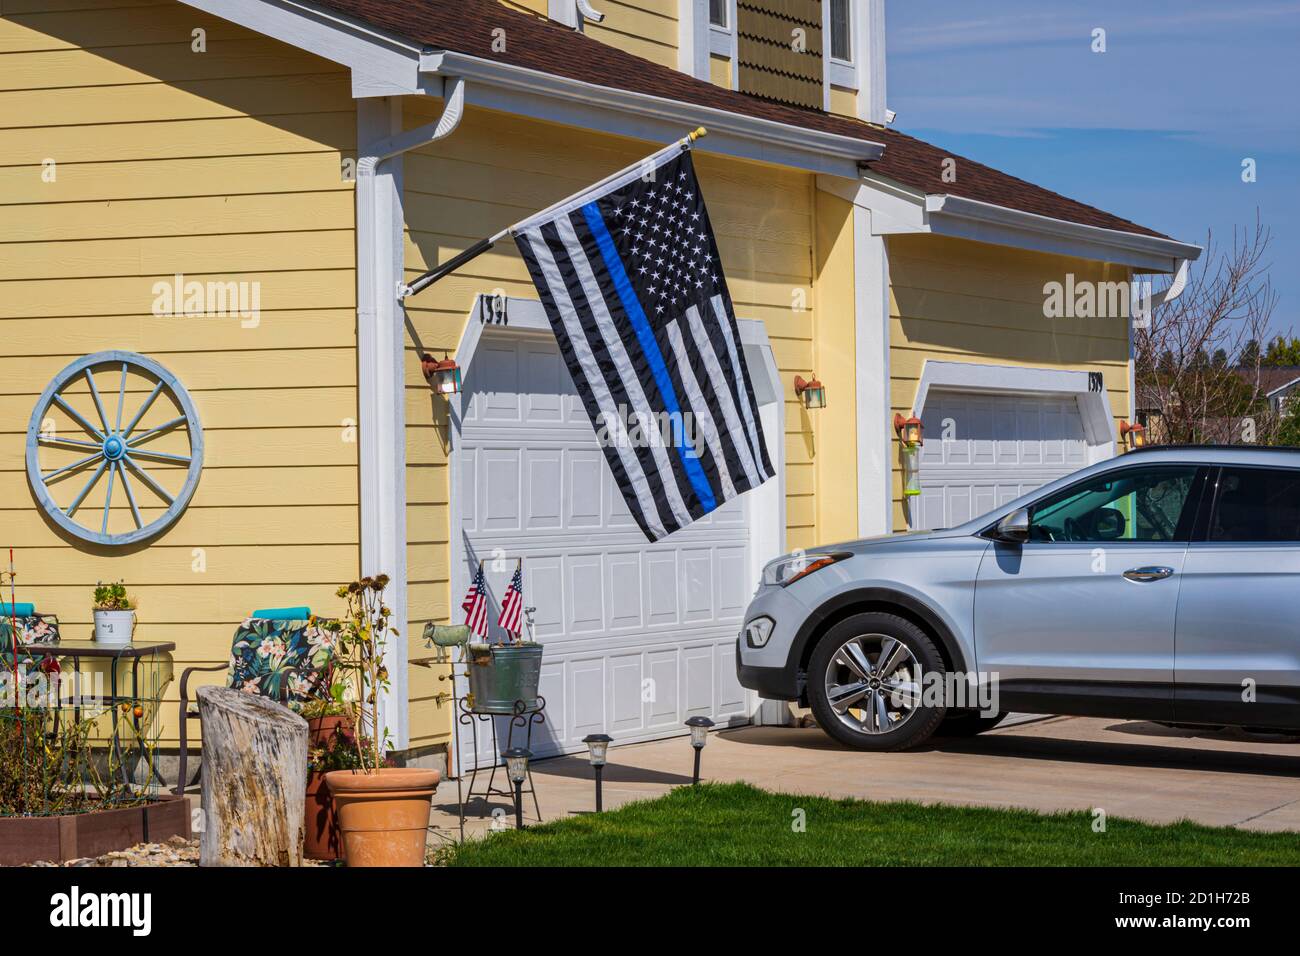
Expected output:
(1282, 388)
(382, 63)
(558, 99)
(898, 209)
(871, 362)
(693, 38)
(381, 387)
(986, 222)
(1094, 407)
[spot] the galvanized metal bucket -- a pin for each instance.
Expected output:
(507, 674)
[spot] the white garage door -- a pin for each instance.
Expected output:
(982, 450)
(638, 636)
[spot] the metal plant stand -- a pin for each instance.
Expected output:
(524, 718)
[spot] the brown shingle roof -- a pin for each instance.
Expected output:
(465, 26)
(1272, 377)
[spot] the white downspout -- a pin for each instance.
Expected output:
(380, 364)
(1141, 312)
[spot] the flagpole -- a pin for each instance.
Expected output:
(483, 245)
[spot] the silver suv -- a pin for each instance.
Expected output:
(1163, 585)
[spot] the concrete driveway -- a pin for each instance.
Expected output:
(1128, 768)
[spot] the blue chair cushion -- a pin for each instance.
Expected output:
(288, 661)
(283, 613)
(21, 609)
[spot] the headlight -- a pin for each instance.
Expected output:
(758, 631)
(792, 567)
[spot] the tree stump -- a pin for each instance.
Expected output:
(254, 780)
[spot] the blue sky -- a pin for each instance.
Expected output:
(1155, 129)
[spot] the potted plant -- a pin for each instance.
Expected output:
(331, 745)
(382, 810)
(503, 677)
(114, 614)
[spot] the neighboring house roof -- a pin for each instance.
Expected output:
(1273, 380)
(1147, 398)
(466, 27)
(1277, 379)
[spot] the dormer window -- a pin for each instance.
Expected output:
(841, 30)
(718, 13)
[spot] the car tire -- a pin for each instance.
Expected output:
(828, 668)
(968, 723)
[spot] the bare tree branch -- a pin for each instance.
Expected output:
(1197, 379)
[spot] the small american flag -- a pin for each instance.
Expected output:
(475, 605)
(513, 603)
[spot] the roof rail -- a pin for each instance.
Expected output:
(1210, 447)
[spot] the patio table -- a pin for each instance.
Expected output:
(95, 650)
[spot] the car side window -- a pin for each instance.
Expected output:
(1133, 504)
(1256, 504)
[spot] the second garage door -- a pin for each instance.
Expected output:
(984, 449)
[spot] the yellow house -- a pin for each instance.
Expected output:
(304, 158)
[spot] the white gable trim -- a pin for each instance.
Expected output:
(1283, 387)
(900, 209)
(558, 99)
(986, 222)
(382, 63)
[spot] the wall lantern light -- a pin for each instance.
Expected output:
(910, 430)
(813, 393)
(444, 376)
(517, 770)
(1132, 437)
(598, 751)
(699, 737)
(911, 436)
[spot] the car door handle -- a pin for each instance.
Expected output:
(1148, 574)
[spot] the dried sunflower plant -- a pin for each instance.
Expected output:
(363, 633)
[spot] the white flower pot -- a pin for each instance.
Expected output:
(114, 627)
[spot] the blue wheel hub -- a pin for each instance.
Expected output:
(114, 448)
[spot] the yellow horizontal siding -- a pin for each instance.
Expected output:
(97, 142)
(222, 166)
(647, 28)
(277, 331)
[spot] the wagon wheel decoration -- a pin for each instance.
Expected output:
(118, 471)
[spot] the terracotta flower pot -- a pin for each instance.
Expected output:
(383, 816)
(321, 839)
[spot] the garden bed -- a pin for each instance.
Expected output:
(75, 835)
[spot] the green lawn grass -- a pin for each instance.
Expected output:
(739, 825)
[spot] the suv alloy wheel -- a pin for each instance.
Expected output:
(865, 682)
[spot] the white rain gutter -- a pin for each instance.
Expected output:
(559, 99)
(381, 370)
(987, 222)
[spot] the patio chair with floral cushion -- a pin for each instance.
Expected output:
(33, 630)
(287, 659)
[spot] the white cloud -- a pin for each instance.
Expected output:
(1031, 26)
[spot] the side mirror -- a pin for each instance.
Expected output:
(1014, 528)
